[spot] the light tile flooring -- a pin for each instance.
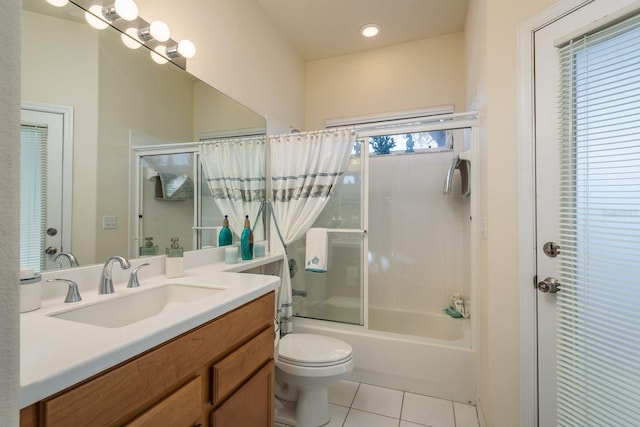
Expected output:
(362, 405)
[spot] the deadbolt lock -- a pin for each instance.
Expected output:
(551, 249)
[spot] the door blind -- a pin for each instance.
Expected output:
(599, 300)
(33, 195)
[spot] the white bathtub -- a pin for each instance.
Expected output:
(436, 325)
(443, 366)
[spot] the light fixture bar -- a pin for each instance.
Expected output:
(155, 36)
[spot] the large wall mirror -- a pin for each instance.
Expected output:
(103, 98)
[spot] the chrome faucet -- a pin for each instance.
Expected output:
(73, 261)
(106, 284)
(73, 294)
(133, 278)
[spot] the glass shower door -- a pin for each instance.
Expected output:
(166, 201)
(338, 294)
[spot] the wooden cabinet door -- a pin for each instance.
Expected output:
(251, 405)
(234, 369)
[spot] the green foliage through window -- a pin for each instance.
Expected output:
(411, 142)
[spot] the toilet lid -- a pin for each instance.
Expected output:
(313, 350)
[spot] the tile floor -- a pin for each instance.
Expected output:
(362, 405)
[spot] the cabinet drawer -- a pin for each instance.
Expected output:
(234, 369)
(181, 408)
(251, 405)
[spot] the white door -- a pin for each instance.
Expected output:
(567, 189)
(44, 200)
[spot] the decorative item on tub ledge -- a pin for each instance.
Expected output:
(123, 16)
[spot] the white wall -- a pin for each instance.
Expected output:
(413, 75)
(491, 70)
(239, 52)
(9, 210)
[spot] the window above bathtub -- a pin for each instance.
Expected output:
(437, 140)
(403, 132)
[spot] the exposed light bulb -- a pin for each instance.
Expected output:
(158, 53)
(126, 9)
(186, 48)
(130, 38)
(160, 31)
(58, 3)
(92, 17)
(370, 30)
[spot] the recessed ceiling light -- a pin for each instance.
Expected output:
(370, 30)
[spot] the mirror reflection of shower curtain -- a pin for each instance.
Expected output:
(305, 169)
(235, 173)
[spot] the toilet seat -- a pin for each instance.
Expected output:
(310, 350)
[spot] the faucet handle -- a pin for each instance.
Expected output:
(73, 294)
(133, 277)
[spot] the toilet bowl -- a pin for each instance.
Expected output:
(306, 365)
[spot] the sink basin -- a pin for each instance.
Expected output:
(127, 309)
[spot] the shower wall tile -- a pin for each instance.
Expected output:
(418, 237)
(454, 232)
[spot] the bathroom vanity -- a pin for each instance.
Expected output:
(211, 364)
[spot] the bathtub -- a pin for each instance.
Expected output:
(442, 365)
(439, 326)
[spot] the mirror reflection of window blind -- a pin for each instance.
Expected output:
(599, 300)
(33, 195)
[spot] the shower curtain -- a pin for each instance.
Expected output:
(235, 171)
(305, 168)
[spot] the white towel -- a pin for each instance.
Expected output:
(316, 251)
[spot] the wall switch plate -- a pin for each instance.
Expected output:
(109, 222)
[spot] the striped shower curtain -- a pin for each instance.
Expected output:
(235, 171)
(305, 168)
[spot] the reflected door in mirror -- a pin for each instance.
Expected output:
(42, 233)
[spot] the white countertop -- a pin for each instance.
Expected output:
(56, 353)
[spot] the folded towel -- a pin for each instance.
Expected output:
(316, 251)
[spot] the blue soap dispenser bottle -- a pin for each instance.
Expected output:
(225, 238)
(246, 240)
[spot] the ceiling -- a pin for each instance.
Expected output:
(326, 28)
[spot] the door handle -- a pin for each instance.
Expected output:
(549, 285)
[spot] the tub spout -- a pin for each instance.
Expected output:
(297, 293)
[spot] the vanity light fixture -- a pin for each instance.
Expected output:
(58, 3)
(157, 30)
(125, 9)
(184, 48)
(370, 30)
(136, 32)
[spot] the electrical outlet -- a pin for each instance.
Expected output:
(109, 222)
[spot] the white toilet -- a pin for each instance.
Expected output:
(306, 365)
